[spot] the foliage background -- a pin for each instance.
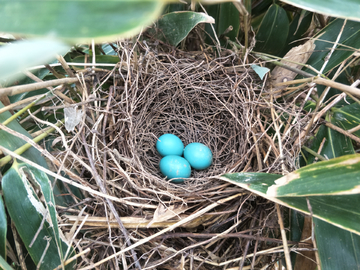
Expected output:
(329, 187)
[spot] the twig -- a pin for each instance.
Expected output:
(354, 129)
(327, 58)
(170, 228)
(248, 242)
(312, 152)
(18, 103)
(228, 235)
(18, 246)
(26, 146)
(74, 258)
(110, 203)
(283, 236)
(70, 182)
(344, 132)
(340, 86)
(14, 90)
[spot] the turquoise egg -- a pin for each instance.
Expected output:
(169, 144)
(175, 167)
(198, 155)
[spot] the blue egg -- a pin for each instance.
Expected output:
(175, 167)
(198, 155)
(169, 144)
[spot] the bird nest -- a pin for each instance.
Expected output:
(216, 101)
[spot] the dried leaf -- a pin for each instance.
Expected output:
(163, 213)
(296, 56)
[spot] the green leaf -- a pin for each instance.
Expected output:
(347, 9)
(348, 117)
(259, 7)
(336, 176)
(12, 142)
(298, 27)
(273, 31)
(174, 27)
(350, 38)
(332, 143)
(79, 20)
(23, 185)
(4, 265)
(296, 229)
(24, 54)
(261, 71)
(3, 229)
(331, 208)
(226, 17)
(342, 247)
(255, 182)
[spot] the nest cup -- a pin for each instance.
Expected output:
(198, 100)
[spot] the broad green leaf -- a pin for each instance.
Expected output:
(23, 186)
(333, 209)
(256, 182)
(273, 31)
(298, 27)
(4, 265)
(296, 229)
(12, 143)
(27, 53)
(349, 41)
(342, 247)
(336, 176)
(261, 71)
(79, 20)
(348, 116)
(347, 9)
(3, 229)
(332, 257)
(226, 15)
(174, 27)
(259, 7)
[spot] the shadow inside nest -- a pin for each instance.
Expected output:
(212, 101)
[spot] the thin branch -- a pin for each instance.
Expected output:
(14, 90)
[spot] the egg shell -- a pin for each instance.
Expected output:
(198, 155)
(175, 167)
(169, 144)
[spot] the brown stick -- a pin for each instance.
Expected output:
(340, 130)
(14, 90)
